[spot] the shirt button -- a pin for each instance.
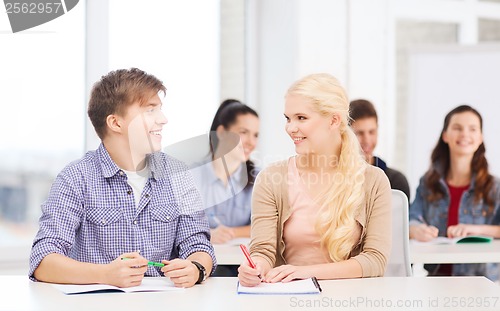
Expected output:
(103, 221)
(465, 212)
(121, 173)
(147, 195)
(135, 222)
(168, 217)
(129, 192)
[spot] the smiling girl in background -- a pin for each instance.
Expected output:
(226, 180)
(458, 196)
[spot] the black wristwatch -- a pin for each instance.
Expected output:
(203, 273)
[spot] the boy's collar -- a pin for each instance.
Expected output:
(109, 167)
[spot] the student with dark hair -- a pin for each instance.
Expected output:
(125, 200)
(364, 122)
(458, 196)
(226, 180)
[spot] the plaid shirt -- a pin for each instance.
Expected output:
(90, 214)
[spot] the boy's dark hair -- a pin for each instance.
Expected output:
(116, 91)
(360, 109)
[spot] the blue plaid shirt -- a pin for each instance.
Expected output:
(90, 214)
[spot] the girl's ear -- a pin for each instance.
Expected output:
(335, 120)
(220, 130)
(444, 137)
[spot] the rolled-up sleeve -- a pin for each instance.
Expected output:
(61, 216)
(193, 231)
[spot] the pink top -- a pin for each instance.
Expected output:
(299, 234)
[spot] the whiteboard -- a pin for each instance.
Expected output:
(441, 78)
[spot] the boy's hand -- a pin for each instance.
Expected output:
(182, 272)
(126, 272)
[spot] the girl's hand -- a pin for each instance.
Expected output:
(423, 232)
(287, 273)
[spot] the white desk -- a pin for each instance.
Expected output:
(455, 253)
(445, 293)
(228, 254)
(420, 253)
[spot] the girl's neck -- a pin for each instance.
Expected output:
(225, 167)
(460, 172)
(317, 162)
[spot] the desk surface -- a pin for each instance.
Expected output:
(419, 253)
(228, 254)
(455, 253)
(445, 293)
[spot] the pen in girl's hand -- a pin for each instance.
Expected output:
(249, 259)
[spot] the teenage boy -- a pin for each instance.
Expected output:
(126, 203)
(365, 125)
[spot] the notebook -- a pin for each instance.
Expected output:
(296, 287)
(460, 240)
(147, 285)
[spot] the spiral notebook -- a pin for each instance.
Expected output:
(296, 287)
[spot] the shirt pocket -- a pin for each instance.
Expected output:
(103, 217)
(165, 219)
(107, 231)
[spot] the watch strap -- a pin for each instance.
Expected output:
(203, 272)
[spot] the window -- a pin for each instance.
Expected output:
(41, 121)
(178, 42)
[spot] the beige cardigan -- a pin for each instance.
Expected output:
(270, 210)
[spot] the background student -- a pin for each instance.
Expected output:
(458, 196)
(364, 122)
(226, 180)
(123, 200)
(324, 212)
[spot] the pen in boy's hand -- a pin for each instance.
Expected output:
(156, 264)
(150, 263)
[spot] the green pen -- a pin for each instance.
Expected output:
(150, 263)
(156, 264)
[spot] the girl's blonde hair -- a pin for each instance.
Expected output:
(340, 203)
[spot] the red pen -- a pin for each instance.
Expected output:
(249, 259)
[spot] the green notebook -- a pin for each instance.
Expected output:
(475, 239)
(462, 240)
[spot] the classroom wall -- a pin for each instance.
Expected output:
(441, 79)
(365, 43)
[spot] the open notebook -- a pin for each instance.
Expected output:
(460, 240)
(147, 285)
(296, 287)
